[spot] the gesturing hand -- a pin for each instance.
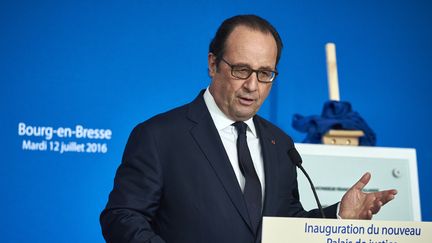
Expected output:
(356, 204)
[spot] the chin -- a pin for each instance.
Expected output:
(244, 116)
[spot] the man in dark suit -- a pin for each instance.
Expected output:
(209, 170)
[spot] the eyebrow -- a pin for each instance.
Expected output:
(240, 64)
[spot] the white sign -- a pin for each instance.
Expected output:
(305, 230)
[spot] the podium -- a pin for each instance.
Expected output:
(306, 230)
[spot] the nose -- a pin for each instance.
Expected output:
(251, 84)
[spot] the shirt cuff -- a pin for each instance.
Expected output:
(337, 211)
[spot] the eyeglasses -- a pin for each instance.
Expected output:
(244, 72)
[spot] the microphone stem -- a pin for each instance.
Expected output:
(313, 190)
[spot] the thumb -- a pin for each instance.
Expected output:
(364, 180)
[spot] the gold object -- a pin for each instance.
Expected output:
(342, 137)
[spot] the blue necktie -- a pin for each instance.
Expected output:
(252, 191)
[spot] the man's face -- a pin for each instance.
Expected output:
(240, 99)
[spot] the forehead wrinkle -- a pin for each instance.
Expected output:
(242, 48)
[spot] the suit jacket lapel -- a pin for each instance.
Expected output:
(269, 151)
(208, 139)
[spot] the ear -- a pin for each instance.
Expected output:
(212, 66)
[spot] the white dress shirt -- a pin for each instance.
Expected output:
(228, 134)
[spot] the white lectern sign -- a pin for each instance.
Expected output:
(305, 230)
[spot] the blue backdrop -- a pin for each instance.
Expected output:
(78, 76)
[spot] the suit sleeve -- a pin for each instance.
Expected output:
(134, 200)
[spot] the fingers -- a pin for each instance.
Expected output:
(376, 207)
(386, 196)
(369, 214)
(390, 195)
(358, 204)
(381, 198)
(364, 180)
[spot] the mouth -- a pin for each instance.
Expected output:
(246, 101)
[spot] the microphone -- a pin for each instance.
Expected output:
(297, 160)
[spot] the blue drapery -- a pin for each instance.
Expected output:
(335, 115)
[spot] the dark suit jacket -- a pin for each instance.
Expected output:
(176, 184)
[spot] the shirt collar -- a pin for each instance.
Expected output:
(220, 120)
